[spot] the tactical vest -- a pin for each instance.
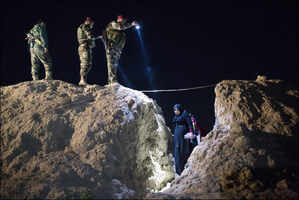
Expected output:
(82, 37)
(116, 36)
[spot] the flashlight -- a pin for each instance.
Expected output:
(137, 27)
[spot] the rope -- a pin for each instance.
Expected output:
(177, 90)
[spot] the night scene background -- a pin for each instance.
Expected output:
(184, 44)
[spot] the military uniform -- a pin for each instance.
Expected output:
(38, 53)
(86, 43)
(115, 40)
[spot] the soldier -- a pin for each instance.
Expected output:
(38, 46)
(86, 41)
(115, 40)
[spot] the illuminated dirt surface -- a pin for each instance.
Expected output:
(59, 140)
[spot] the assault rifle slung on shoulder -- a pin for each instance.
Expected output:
(34, 39)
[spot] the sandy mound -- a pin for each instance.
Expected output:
(60, 140)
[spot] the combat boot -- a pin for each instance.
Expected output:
(83, 81)
(35, 77)
(48, 76)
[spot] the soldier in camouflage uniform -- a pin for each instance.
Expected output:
(86, 41)
(115, 40)
(39, 50)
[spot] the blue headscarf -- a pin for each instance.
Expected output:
(180, 107)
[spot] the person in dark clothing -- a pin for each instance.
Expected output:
(181, 147)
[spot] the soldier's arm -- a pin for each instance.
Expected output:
(88, 31)
(44, 36)
(121, 26)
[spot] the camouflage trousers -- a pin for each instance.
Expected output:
(113, 55)
(85, 55)
(38, 56)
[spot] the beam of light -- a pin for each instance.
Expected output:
(148, 68)
(124, 76)
(149, 74)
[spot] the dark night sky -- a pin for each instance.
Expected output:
(187, 44)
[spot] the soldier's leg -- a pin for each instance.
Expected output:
(46, 59)
(89, 60)
(35, 64)
(85, 55)
(117, 54)
(116, 57)
(112, 67)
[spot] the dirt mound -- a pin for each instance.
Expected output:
(59, 140)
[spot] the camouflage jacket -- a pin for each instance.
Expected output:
(115, 34)
(40, 32)
(84, 34)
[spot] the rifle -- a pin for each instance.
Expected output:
(30, 36)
